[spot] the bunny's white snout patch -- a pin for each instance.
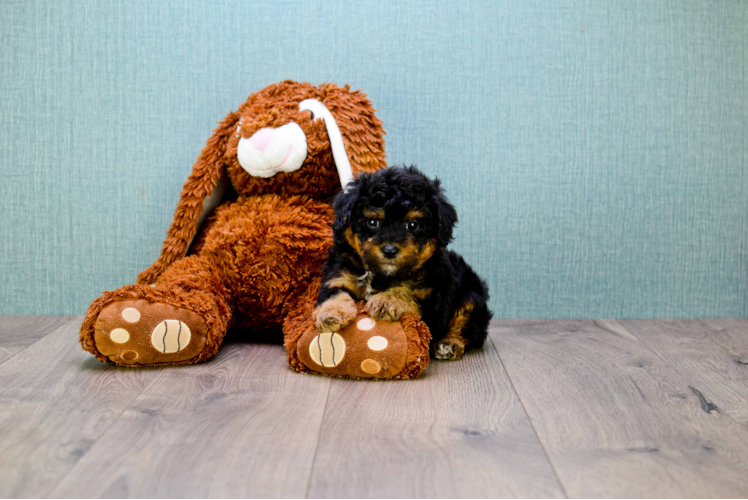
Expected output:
(273, 150)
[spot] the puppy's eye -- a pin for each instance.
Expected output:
(412, 225)
(373, 223)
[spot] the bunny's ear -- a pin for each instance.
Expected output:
(361, 130)
(202, 189)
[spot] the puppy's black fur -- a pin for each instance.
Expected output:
(390, 236)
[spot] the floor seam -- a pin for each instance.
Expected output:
(529, 419)
(319, 436)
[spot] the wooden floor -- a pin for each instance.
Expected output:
(546, 409)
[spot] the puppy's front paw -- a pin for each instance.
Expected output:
(335, 313)
(449, 349)
(386, 308)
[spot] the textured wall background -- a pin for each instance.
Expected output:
(596, 151)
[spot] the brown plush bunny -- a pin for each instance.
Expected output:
(254, 263)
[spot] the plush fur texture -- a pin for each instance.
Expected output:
(390, 235)
(256, 261)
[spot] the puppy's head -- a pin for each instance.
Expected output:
(393, 220)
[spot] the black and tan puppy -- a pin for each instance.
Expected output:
(390, 235)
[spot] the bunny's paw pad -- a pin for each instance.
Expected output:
(364, 349)
(138, 332)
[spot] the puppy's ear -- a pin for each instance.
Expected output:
(446, 215)
(344, 203)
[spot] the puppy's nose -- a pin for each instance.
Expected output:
(390, 251)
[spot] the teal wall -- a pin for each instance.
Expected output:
(596, 151)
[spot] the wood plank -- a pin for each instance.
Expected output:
(55, 401)
(458, 431)
(616, 420)
(732, 335)
(242, 425)
(19, 332)
(711, 353)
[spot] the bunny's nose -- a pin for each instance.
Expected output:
(262, 138)
(272, 150)
(390, 251)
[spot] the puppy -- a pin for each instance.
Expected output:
(390, 235)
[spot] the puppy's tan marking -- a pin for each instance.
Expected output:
(370, 248)
(335, 313)
(414, 214)
(414, 288)
(353, 240)
(452, 346)
(426, 253)
(359, 286)
(409, 251)
(391, 304)
(346, 280)
(422, 293)
(374, 213)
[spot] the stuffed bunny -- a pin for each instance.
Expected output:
(249, 237)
